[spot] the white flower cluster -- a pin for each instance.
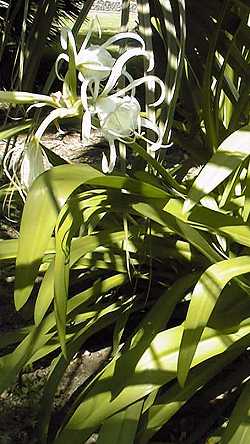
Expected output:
(116, 112)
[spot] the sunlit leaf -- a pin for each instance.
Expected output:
(230, 154)
(47, 196)
(156, 367)
(204, 298)
(11, 130)
(123, 425)
(175, 397)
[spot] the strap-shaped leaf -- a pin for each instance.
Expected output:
(79, 248)
(68, 221)
(17, 97)
(123, 426)
(47, 196)
(230, 154)
(238, 429)
(172, 25)
(156, 367)
(11, 130)
(178, 226)
(158, 316)
(99, 321)
(170, 402)
(11, 364)
(204, 298)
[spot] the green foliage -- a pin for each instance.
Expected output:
(146, 244)
(213, 98)
(27, 27)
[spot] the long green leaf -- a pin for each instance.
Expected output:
(9, 247)
(179, 226)
(68, 223)
(174, 398)
(40, 335)
(156, 367)
(157, 317)
(204, 298)
(230, 154)
(123, 426)
(172, 19)
(79, 248)
(238, 429)
(11, 130)
(47, 196)
(102, 319)
(23, 98)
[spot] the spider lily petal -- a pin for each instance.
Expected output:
(108, 167)
(59, 58)
(119, 67)
(130, 79)
(146, 123)
(123, 36)
(59, 113)
(84, 86)
(67, 40)
(140, 81)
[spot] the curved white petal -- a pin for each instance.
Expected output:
(96, 89)
(124, 35)
(140, 81)
(87, 38)
(118, 67)
(130, 79)
(66, 39)
(53, 115)
(59, 58)
(108, 167)
(154, 146)
(36, 105)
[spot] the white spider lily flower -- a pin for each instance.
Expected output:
(33, 162)
(119, 119)
(118, 116)
(94, 63)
